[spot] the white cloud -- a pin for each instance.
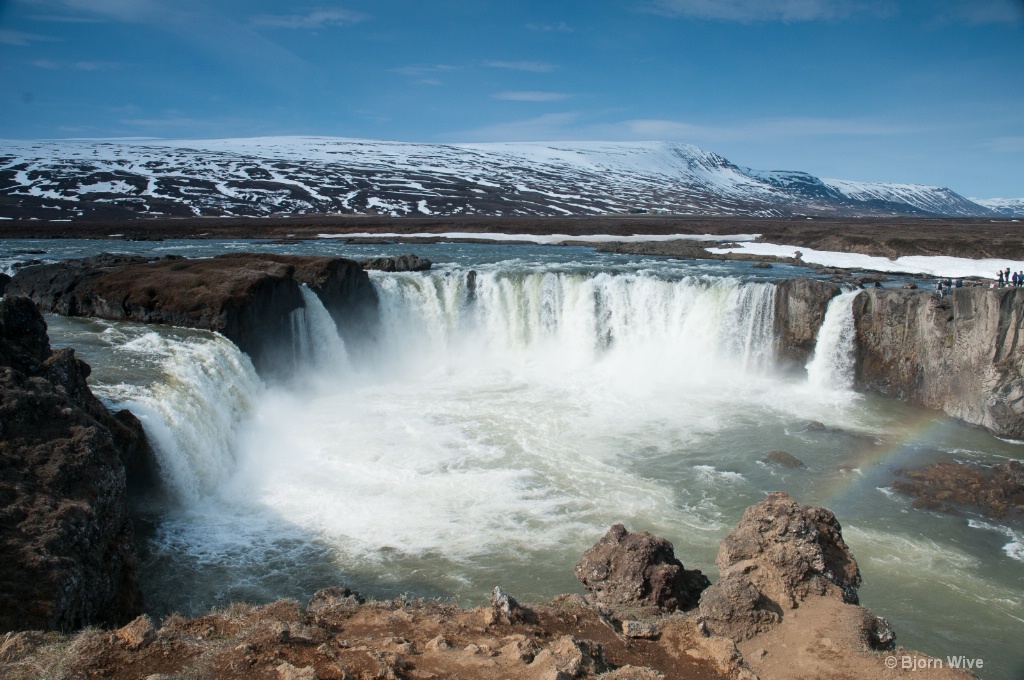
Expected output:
(19, 39)
(980, 12)
(1006, 144)
(532, 66)
(766, 10)
(311, 20)
(421, 70)
(550, 126)
(755, 130)
(52, 65)
(560, 27)
(531, 96)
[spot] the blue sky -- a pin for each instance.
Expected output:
(928, 91)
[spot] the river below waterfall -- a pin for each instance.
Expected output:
(490, 433)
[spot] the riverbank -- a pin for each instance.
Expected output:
(895, 237)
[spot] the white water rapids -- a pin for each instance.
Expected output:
(489, 436)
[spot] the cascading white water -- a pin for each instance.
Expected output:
(193, 414)
(831, 366)
(315, 338)
(575, 320)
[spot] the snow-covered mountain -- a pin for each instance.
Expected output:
(111, 179)
(1007, 207)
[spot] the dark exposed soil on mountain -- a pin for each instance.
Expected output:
(974, 238)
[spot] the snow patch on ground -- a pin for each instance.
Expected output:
(910, 264)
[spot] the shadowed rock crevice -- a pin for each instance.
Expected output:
(65, 534)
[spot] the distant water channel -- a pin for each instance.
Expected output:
(489, 436)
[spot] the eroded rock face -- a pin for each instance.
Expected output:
(961, 354)
(638, 569)
(780, 554)
(800, 306)
(65, 534)
(247, 297)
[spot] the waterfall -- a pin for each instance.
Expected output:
(831, 366)
(577, 319)
(315, 338)
(191, 416)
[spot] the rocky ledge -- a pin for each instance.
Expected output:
(247, 297)
(996, 490)
(66, 540)
(783, 608)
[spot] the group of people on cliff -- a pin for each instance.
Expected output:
(1005, 278)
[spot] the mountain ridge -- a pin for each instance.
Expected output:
(264, 176)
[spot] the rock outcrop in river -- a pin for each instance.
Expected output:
(962, 354)
(66, 539)
(247, 297)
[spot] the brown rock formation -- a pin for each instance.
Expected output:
(780, 554)
(800, 306)
(247, 297)
(638, 569)
(962, 354)
(65, 535)
(995, 490)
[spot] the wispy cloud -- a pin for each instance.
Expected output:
(422, 70)
(766, 10)
(550, 126)
(1006, 144)
(311, 20)
(560, 27)
(19, 39)
(52, 65)
(981, 12)
(128, 11)
(531, 96)
(754, 130)
(532, 66)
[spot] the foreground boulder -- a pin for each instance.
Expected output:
(249, 298)
(638, 569)
(66, 540)
(962, 353)
(780, 555)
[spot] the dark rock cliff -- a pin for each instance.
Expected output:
(247, 297)
(800, 306)
(962, 354)
(66, 540)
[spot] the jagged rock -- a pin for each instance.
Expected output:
(782, 459)
(65, 534)
(780, 554)
(995, 490)
(139, 633)
(800, 306)
(568, 657)
(334, 598)
(247, 297)
(504, 609)
(626, 568)
(4, 280)
(401, 263)
(640, 629)
(286, 671)
(962, 353)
